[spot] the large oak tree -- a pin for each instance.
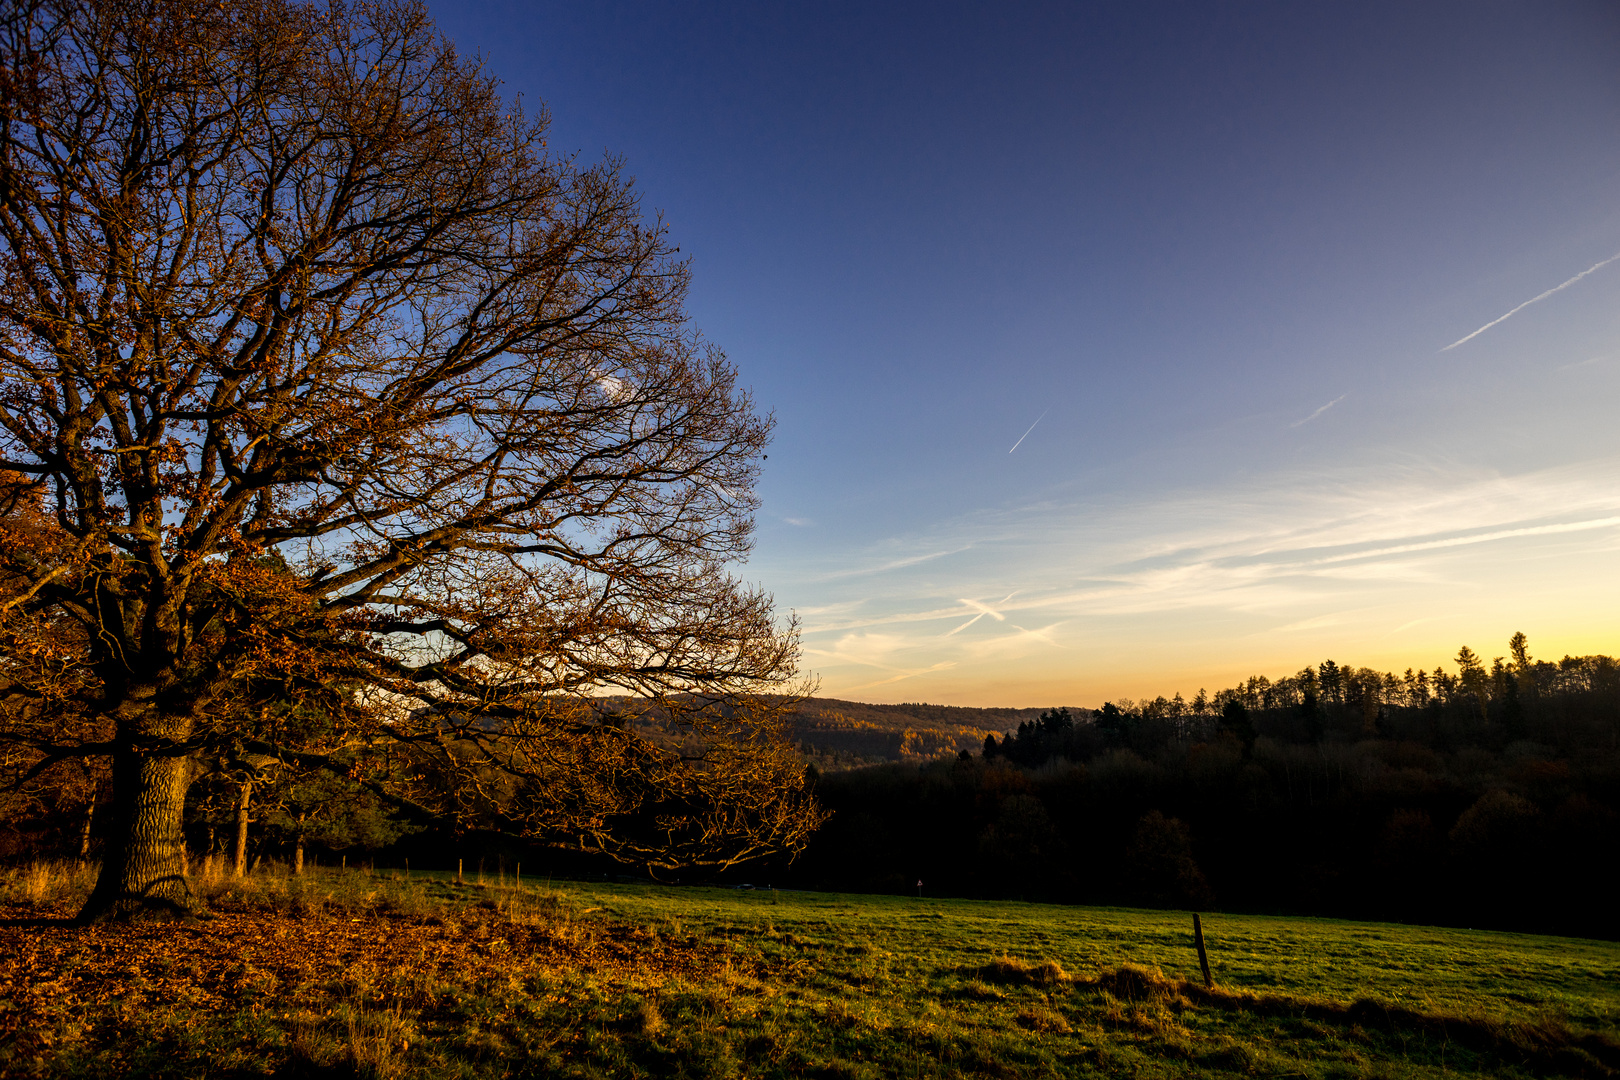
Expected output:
(350, 427)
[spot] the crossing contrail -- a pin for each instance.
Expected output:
(1041, 417)
(984, 609)
(1532, 300)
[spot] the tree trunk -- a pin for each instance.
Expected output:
(144, 872)
(89, 816)
(239, 849)
(298, 849)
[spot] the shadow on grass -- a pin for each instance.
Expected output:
(1544, 1045)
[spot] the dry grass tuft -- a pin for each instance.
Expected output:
(1009, 970)
(1044, 1020)
(61, 887)
(378, 1041)
(47, 884)
(645, 1018)
(1133, 982)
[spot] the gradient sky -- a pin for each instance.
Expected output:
(1218, 252)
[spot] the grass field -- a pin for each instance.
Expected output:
(342, 974)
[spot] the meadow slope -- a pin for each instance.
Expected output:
(377, 975)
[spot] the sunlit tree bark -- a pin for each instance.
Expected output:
(367, 430)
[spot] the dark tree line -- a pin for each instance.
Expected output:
(1484, 797)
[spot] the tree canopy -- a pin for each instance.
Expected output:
(342, 415)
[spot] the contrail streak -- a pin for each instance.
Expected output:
(1041, 417)
(1320, 411)
(1532, 300)
(967, 624)
(1477, 538)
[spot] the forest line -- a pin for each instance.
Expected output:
(1484, 796)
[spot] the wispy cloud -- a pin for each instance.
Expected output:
(1419, 622)
(896, 564)
(1317, 623)
(1533, 300)
(945, 665)
(1274, 548)
(1237, 569)
(1319, 412)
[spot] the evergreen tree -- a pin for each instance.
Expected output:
(1235, 719)
(1113, 722)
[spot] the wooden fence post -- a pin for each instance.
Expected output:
(1203, 957)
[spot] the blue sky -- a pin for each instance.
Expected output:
(1216, 251)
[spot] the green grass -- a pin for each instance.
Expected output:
(913, 974)
(638, 981)
(1498, 975)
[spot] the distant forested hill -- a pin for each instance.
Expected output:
(834, 734)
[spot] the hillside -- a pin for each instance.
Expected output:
(834, 734)
(837, 734)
